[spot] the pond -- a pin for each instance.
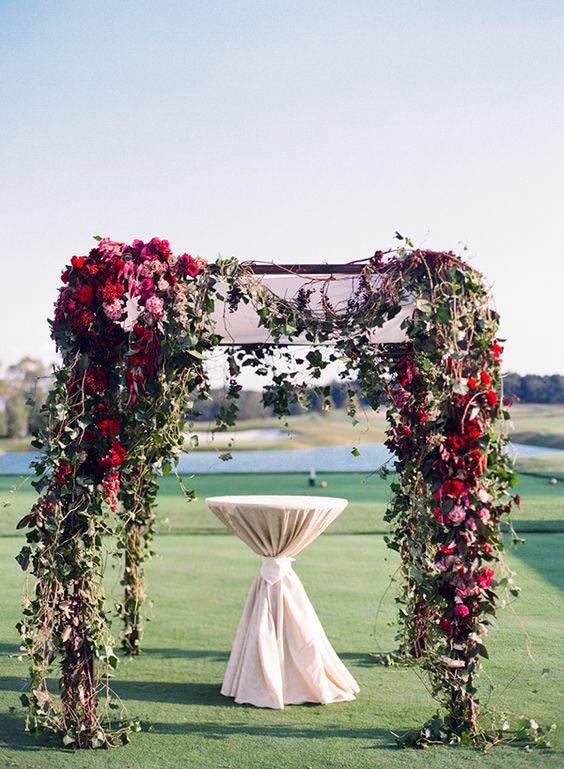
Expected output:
(320, 458)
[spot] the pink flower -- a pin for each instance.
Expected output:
(461, 611)
(155, 305)
(483, 495)
(113, 310)
(484, 515)
(145, 270)
(110, 247)
(457, 514)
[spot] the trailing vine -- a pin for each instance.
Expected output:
(445, 413)
(132, 324)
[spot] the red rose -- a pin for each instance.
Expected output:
(453, 487)
(85, 295)
(460, 611)
(472, 383)
(497, 350)
(114, 457)
(109, 427)
(485, 378)
(78, 262)
(491, 395)
(484, 578)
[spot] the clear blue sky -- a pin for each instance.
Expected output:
(291, 131)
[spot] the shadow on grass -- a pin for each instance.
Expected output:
(543, 553)
(180, 693)
(7, 649)
(283, 731)
(358, 659)
(187, 654)
(14, 737)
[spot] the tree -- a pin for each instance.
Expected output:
(24, 390)
(17, 414)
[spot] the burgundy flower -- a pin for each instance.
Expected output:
(95, 380)
(188, 265)
(81, 319)
(63, 474)
(445, 625)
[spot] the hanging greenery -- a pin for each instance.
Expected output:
(446, 417)
(133, 325)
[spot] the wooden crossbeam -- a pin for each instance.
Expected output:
(305, 269)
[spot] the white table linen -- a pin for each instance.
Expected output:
(281, 655)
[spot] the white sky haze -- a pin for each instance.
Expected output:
(287, 131)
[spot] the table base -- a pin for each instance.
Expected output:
(281, 655)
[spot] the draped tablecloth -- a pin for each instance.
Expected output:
(281, 655)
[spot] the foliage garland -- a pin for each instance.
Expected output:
(133, 324)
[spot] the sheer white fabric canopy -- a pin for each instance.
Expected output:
(242, 326)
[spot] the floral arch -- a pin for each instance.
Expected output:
(134, 324)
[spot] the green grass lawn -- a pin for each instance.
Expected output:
(199, 581)
(199, 584)
(538, 424)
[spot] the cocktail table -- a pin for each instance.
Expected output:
(281, 655)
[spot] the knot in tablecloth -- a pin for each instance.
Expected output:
(275, 569)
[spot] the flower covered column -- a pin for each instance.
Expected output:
(132, 323)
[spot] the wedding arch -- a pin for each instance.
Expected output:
(413, 329)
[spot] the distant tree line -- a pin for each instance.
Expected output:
(251, 406)
(535, 389)
(24, 385)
